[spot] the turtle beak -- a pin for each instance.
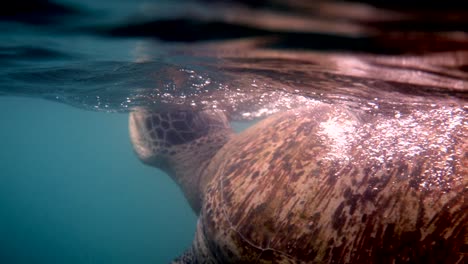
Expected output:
(139, 136)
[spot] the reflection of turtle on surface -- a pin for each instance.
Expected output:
(319, 184)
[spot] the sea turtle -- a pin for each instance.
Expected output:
(317, 184)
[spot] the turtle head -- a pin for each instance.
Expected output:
(181, 143)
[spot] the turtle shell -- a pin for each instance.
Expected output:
(325, 185)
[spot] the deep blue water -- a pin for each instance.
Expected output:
(72, 191)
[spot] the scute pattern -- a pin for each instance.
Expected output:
(174, 128)
(286, 191)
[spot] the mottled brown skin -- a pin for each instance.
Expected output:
(325, 185)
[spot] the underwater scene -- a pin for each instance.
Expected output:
(233, 131)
